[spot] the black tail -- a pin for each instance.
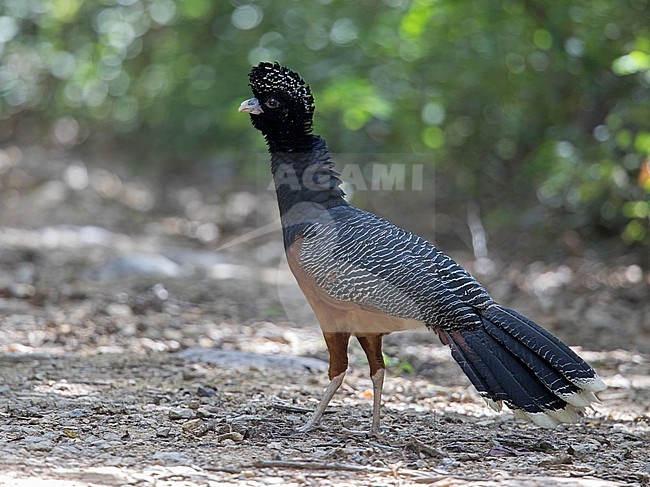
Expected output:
(514, 361)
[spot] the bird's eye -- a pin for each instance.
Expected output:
(272, 103)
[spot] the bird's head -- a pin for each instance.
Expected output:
(283, 106)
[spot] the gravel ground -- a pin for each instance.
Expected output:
(137, 349)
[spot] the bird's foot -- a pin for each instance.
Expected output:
(308, 426)
(374, 429)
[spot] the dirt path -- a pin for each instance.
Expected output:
(120, 419)
(170, 381)
(133, 353)
(130, 419)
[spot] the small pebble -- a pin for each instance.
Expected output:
(43, 445)
(194, 404)
(121, 310)
(169, 457)
(163, 432)
(203, 413)
(21, 291)
(205, 391)
(192, 425)
(232, 436)
(78, 412)
(180, 413)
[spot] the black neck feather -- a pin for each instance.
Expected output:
(303, 172)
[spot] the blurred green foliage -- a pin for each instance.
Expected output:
(515, 97)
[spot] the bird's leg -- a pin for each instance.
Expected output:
(371, 344)
(377, 387)
(337, 344)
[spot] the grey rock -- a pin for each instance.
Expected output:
(180, 413)
(20, 290)
(169, 457)
(205, 391)
(78, 412)
(136, 264)
(39, 443)
(230, 358)
(163, 432)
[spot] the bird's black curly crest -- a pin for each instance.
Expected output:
(272, 77)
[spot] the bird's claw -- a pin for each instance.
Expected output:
(308, 426)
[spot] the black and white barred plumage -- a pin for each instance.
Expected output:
(385, 267)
